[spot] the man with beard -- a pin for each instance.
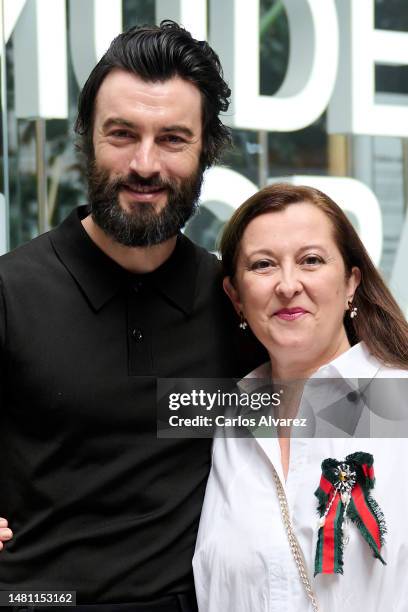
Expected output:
(91, 314)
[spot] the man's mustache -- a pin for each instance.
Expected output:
(104, 187)
(135, 181)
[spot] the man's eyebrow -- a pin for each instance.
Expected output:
(183, 129)
(112, 121)
(119, 121)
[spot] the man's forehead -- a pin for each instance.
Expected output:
(122, 93)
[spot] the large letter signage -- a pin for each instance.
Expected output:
(93, 25)
(352, 108)
(192, 14)
(41, 60)
(307, 87)
(310, 80)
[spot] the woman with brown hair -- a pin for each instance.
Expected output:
(301, 280)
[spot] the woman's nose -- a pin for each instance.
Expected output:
(288, 284)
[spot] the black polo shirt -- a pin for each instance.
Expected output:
(97, 503)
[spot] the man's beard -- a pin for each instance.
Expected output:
(142, 226)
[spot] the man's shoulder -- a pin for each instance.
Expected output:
(23, 260)
(40, 251)
(205, 259)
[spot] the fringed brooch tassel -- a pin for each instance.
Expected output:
(344, 496)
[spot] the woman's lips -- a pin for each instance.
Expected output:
(290, 314)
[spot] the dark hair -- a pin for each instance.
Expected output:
(380, 322)
(157, 53)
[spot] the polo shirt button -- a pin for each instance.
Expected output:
(137, 335)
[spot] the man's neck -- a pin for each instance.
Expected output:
(138, 260)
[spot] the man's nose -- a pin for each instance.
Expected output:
(289, 284)
(145, 159)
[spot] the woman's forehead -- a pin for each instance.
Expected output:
(290, 227)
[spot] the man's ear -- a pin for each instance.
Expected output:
(232, 294)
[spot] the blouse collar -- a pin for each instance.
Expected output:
(356, 359)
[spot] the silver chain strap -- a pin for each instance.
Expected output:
(293, 541)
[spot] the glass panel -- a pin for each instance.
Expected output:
(379, 162)
(65, 185)
(138, 12)
(4, 232)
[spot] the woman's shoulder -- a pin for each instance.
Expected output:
(386, 371)
(359, 362)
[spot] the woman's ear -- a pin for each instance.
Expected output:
(232, 294)
(353, 282)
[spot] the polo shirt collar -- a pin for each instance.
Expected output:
(176, 277)
(101, 278)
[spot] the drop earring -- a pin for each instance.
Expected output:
(243, 323)
(352, 310)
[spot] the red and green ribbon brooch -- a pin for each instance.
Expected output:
(344, 495)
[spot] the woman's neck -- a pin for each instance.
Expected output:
(287, 367)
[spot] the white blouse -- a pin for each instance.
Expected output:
(243, 562)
